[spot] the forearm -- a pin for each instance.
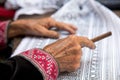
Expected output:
(18, 68)
(32, 64)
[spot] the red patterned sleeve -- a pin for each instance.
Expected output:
(3, 33)
(44, 62)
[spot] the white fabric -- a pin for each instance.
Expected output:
(30, 7)
(93, 19)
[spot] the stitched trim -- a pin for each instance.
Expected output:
(43, 61)
(3, 33)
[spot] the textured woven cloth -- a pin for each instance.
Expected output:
(30, 7)
(92, 19)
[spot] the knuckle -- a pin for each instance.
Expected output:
(72, 37)
(75, 66)
(77, 58)
(78, 48)
(51, 19)
(86, 38)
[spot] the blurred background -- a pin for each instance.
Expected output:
(112, 4)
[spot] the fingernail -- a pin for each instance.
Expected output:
(57, 35)
(75, 27)
(73, 32)
(93, 47)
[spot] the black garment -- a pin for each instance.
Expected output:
(2, 2)
(111, 4)
(17, 68)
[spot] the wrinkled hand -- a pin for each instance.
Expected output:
(38, 27)
(67, 51)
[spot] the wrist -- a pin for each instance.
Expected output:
(50, 52)
(14, 29)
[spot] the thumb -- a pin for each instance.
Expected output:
(85, 42)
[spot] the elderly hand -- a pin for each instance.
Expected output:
(67, 51)
(38, 27)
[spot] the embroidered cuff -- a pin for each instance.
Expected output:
(43, 61)
(3, 33)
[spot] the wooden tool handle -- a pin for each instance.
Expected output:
(101, 36)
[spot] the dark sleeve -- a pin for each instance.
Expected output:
(2, 2)
(111, 4)
(18, 68)
(33, 64)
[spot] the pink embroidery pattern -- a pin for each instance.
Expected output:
(3, 34)
(43, 61)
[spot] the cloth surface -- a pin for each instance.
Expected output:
(92, 19)
(30, 7)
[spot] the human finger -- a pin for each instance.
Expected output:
(47, 33)
(63, 26)
(72, 26)
(85, 42)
